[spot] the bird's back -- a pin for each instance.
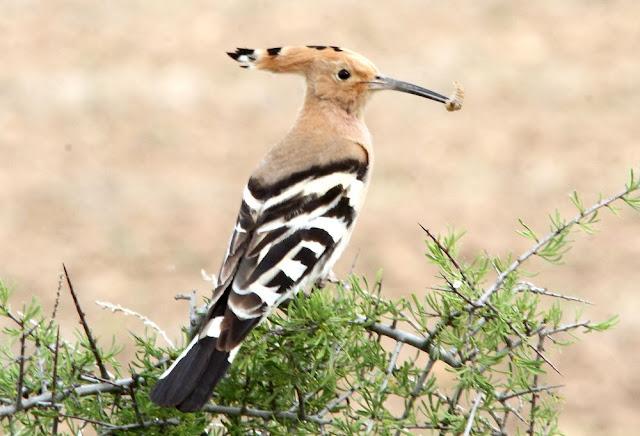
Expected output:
(296, 217)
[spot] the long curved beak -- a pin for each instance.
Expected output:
(382, 82)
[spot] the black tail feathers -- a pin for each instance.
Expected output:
(190, 382)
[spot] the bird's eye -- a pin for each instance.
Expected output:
(343, 74)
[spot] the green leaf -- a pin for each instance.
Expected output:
(577, 202)
(527, 232)
(604, 325)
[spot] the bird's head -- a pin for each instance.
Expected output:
(333, 74)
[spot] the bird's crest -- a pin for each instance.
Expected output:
(294, 59)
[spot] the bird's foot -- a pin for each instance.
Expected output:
(329, 278)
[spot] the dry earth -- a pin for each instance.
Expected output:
(126, 135)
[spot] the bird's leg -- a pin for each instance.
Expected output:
(319, 284)
(284, 306)
(331, 277)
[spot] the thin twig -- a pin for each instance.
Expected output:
(453, 406)
(522, 336)
(128, 427)
(414, 341)
(544, 241)
(509, 395)
(530, 287)
(346, 395)
(472, 414)
(21, 358)
(449, 256)
(383, 386)
(295, 405)
(134, 402)
(504, 421)
(565, 328)
(417, 389)
(534, 395)
(337, 401)
(40, 365)
(424, 426)
(353, 263)
(498, 421)
(95, 379)
(454, 288)
(54, 382)
(301, 414)
(264, 414)
(85, 326)
(54, 312)
(79, 391)
(194, 317)
(517, 414)
(392, 365)
(88, 420)
(146, 321)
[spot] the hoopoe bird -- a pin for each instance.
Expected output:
(297, 213)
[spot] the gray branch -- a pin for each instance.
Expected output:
(124, 383)
(509, 395)
(530, 287)
(146, 424)
(472, 414)
(544, 241)
(415, 341)
(264, 414)
(80, 391)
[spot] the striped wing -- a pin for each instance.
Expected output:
(286, 237)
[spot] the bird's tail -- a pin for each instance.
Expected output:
(189, 382)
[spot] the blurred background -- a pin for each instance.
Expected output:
(126, 135)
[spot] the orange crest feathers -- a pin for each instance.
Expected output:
(283, 59)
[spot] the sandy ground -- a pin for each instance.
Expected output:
(126, 136)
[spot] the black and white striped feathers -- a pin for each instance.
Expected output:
(288, 235)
